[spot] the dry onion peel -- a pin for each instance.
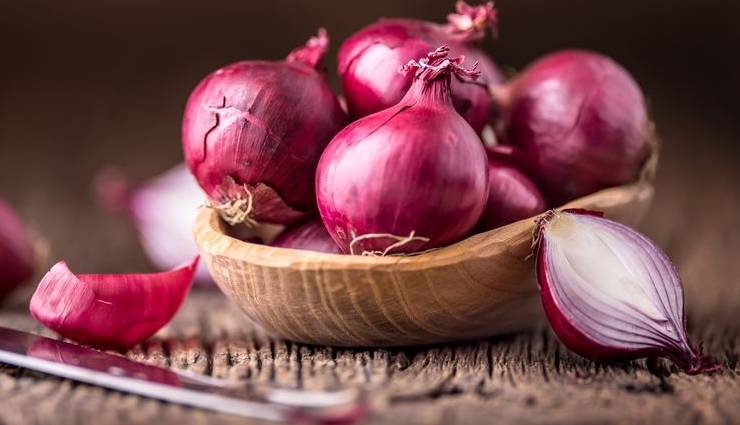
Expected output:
(610, 293)
(106, 310)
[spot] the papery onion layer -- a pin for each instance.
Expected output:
(106, 310)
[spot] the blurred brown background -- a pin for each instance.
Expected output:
(88, 83)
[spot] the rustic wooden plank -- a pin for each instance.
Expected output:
(530, 378)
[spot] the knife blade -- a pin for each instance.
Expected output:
(106, 370)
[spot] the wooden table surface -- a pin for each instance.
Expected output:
(525, 378)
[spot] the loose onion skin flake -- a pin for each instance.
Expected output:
(610, 293)
(310, 235)
(408, 178)
(109, 311)
(580, 120)
(369, 59)
(16, 251)
(253, 133)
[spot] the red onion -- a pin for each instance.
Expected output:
(368, 61)
(163, 210)
(310, 235)
(109, 311)
(253, 132)
(408, 178)
(511, 197)
(581, 121)
(610, 293)
(16, 251)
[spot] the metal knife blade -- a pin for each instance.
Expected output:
(102, 369)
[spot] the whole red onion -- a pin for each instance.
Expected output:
(512, 196)
(408, 178)
(253, 132)
(369, 59)
(581, 121)
(310, 235)
(16, 251)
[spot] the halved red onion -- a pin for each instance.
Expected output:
(368, 60)
(16, 251)
(310, 235)
(581, 121)
(253, 132)
(163, 210)
(612, 294)
(408, 178)
(109, 311)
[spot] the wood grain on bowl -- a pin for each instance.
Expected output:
(482, 286)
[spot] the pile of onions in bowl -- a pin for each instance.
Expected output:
(404, 171)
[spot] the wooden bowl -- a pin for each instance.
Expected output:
(482, 286)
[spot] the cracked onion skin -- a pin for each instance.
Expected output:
(368, 61)
(581, 121)
(256, 129)
(16, 251)
(638, 314)
(109, 311)
(415, 169)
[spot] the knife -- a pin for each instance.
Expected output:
(102, 369)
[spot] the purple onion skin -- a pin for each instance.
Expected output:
(368, 63)
(688, 358)
(512, 197)
(16, 251)
(415, 167)
(310, 235)
(582, 123)
(264, 125)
